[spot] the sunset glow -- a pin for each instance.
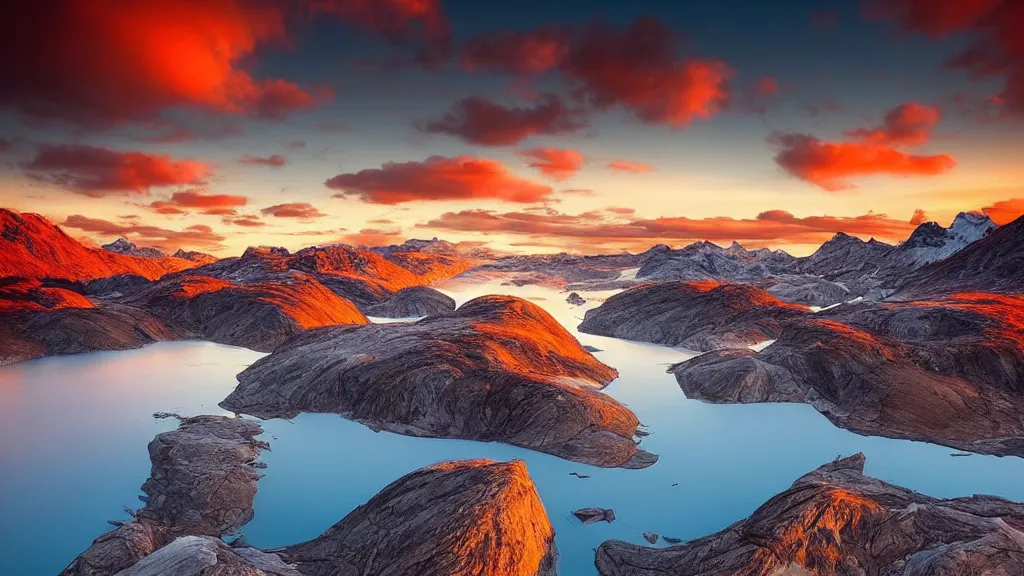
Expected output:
(214, 126)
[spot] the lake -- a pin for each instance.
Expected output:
(74, 431)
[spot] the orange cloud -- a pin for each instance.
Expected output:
(372, 237)
(553, 162)
(919, 217)
(908, 124)
(245, 220)
(274, 160)
(197, 236)
(830, 165)
(628, 166)
(215, 204)
(1005, 211)
(438, 178)
(97, 172)
(104, 62)
(301, 210)
(615, 228)
(478, 120)
(637, 67)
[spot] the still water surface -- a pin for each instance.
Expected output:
(73, 435)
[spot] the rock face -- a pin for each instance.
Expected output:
(497, 369)
(32, 247)
(992, 264)
(696, 315)
(948, 371)
(575, 299)
(836, 521)
(123, 246)
(473, 517)
(412, 302)
(202, 484)
(259, 316)
(38, 320)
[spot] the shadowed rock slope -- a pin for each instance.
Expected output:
(993, 264)
(949, 371)
(32, 247)
(835, 521)
(38, 320)
(497, 369)
(473, 517)
(412, 302)
(259, 316)
(697, 315)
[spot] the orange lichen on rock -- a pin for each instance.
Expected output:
(349, 262)
(703, 285)
(26, 294)
(1003, 313)
(32, 247)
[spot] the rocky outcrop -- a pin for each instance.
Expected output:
(32, 247)
(575, 299)
(115, 286)
(123, 246)
(696, 315)
(202, 484)
(38, 320)
(949, 372)
(259, 315)
(993, 264)
(836, 521)
(497, 369)
(467, 518)
(412, 302)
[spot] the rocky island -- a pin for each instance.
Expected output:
(699, 316)
(837, 521)
(497, 369)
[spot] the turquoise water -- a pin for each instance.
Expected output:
(74, 433)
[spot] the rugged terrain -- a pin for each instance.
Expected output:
(474, 517)
(948, 371)
(497, 369)
(836, 521)
(700, 316)
(32, 247)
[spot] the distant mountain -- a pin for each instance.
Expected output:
(931, 242)
(708, 261)
(844, 254)
(33, 247)
(199, 258)
(124, 246)
(993, 264)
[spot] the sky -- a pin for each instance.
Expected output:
(526, 127)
